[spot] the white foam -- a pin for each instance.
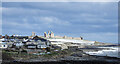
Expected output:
(111, 52)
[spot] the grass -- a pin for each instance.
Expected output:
(15, 55)
(25, 56)
(57, 54)
(50, 55)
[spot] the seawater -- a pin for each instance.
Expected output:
(111, 52)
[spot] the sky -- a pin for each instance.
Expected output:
(96, 21)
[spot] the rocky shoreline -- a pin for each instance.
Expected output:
(70, 58)
(73, 59)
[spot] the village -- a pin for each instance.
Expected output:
(47, 46)
(42, 42)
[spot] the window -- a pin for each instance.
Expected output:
(3, 45)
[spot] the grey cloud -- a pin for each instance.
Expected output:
(69, 17)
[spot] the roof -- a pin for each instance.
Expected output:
(19, 37)
(2, 42)
(39, 38)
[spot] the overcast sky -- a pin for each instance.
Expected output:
(95, 21)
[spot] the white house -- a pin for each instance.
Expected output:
(41, 46)
(3, 45)
(3, 39)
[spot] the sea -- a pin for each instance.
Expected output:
(110, 51)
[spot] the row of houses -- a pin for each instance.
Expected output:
(24, 43)
(39, 43)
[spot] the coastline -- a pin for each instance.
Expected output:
(91, 59)
(78, 55)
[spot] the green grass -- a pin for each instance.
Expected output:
(53, 54)
(15, 55)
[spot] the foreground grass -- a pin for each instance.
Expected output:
(25, 56)
(16, 55)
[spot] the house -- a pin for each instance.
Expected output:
(42, 46)
(40, 40)
(36, 45)
(31, 46)
(18, 44)
(2, 39)
(3, 45)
